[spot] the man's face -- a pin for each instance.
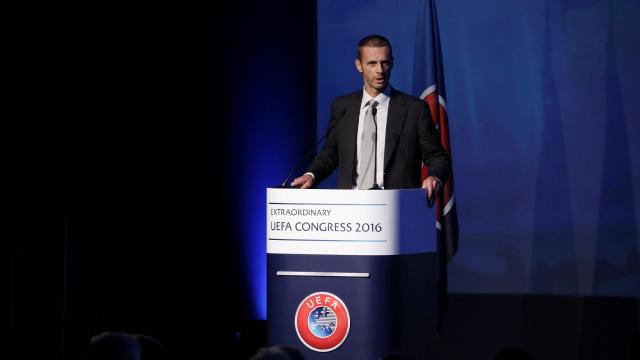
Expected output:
(375, 65)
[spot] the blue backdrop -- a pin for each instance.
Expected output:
(545, 130)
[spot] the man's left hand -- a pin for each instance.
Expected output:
(432, 184)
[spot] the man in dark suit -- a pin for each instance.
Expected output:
(379, 137)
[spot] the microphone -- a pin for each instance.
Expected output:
(285, 184)
(374, 111)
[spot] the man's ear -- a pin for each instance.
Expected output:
(358, 65)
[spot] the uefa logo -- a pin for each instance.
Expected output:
(322, 321)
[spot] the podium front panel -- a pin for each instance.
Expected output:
(338, 293)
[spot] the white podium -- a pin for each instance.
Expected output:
(352, 273)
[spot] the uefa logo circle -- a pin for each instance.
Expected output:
(322, 321)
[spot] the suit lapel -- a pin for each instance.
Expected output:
(395, 122)
(351, 125)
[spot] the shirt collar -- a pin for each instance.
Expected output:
(382, 98)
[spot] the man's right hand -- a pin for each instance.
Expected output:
(303, 182)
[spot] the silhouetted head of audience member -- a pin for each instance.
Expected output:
(395, 355)
(635, 347)
(513, 353)
(113, 346)
(123, 346)
(150, 348)
(278, 353)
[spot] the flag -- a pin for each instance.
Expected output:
(428, 84)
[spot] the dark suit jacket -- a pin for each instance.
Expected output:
(411, 138)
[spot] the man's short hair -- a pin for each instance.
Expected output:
(374, 40)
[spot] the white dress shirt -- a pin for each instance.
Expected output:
(383, 100)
